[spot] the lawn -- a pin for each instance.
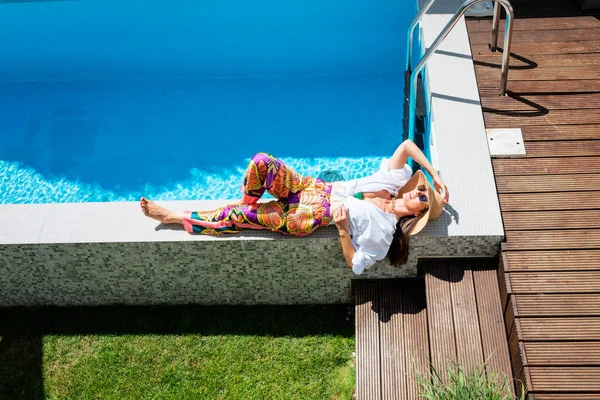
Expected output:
(186, 352)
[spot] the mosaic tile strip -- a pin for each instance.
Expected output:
(289, 271)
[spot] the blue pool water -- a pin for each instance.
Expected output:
(108, 100)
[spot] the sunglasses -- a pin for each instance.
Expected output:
(422, 197)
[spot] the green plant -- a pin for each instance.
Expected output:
(461, 384)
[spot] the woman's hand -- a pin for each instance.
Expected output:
(441, 188)
(340, 217)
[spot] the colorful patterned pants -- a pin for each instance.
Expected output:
(302, 203)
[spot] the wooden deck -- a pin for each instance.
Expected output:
(550, 200)
(403, 326)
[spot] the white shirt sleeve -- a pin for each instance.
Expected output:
(361, 261)
(396, 177)
(371, 246)
(399, 176)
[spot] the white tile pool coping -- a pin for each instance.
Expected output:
(459, 151)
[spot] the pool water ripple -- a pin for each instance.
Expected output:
(23, 185)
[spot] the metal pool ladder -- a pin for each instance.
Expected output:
(463, 8)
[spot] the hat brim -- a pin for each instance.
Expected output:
(435, 200)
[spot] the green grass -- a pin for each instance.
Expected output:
(459, 384)
(177, 353)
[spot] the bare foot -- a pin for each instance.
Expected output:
(154, 211)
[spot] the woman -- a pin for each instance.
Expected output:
(374, 215)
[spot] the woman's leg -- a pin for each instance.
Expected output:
(287, 215)
(266, 172)
(312, 211)
(228, 219)
(233, 218)
(298, 219)
(161, 214)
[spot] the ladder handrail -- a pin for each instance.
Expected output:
(495, 23)
(411, 28)
(425, 8)
(505, 56)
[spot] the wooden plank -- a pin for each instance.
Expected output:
(533, 220)
(562, 353)
(515, 355)
(517, 62)
(466, 323)
(493, 334)
(555, 282)
(490, 87)
(560, 132)
(391, 338)
(509, 314)
(556, 47)
(563, 22)
(553, 117)
(566, 396)
(546, 166)
(539, 103)
(565, 379)
(528, 3)
(556, 305)
(368, 363)
(559, 260)
(553, 201)
(540, 73)
(521, 390)
(392, 343)
(548, 183)
(539, 35)
(542, 10)
(563, 328)
(569, 148)
(416, 339)
(549, 240)
(503, 279)
(440, 318)
(535, 10)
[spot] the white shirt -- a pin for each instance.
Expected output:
(371, 228)
(384, 179)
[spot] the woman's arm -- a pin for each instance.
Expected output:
(409, 149)
(347, 247)
(340, 216)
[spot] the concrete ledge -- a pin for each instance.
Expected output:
(294, 271)
(109, 253)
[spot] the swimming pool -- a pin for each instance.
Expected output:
(107, 100)
(92, 253)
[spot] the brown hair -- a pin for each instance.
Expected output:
(398, 252)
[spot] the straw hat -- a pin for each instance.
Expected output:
(436, 202)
